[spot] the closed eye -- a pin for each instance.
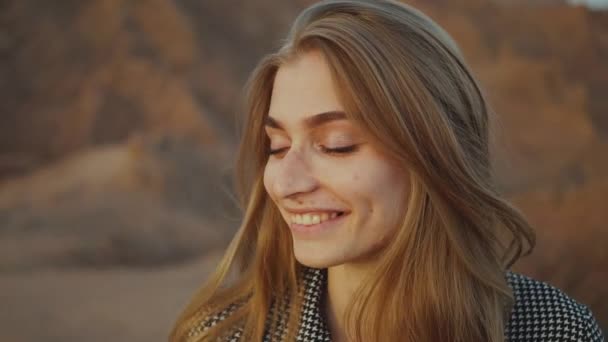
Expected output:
(277, 151)
(339, 150)
(335, 150)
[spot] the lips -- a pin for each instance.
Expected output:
(311, 218)
(312, 224)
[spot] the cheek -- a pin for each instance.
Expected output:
(386, 209)
(380, 190)
(267, 179)
(395, 194)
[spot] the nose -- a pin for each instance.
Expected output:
(293, 175)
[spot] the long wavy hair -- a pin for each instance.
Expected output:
(442, 278)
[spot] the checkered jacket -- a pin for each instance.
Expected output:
(541, 313)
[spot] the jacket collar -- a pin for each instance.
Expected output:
(312, 326)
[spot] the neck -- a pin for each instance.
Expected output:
(342, 281)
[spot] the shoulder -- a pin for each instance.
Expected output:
(209, 319)
(542, 312)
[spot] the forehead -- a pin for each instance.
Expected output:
(303, 87)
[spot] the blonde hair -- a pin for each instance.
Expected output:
(402, 78)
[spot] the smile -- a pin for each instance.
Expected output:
(313, 225)
(309, 219)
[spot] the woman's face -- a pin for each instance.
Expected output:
(341, 197)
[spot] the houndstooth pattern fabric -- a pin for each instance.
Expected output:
(541, 313)
(312, 323)
(544, 313)
(211, 320)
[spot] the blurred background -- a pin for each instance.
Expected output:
(117, 137)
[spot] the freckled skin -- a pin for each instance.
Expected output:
(363, 182)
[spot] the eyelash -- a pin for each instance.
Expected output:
(335, 151)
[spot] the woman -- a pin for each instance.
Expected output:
(370, 211)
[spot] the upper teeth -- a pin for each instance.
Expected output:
(312, 218)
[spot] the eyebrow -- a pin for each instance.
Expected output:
(311, 121)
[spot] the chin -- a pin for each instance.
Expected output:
(316, 259)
